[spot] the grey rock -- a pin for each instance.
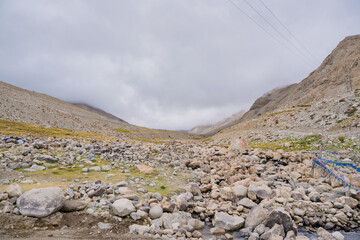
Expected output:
(196, 224)
(102, 225)
(256, 216)
(6, 206)
(122, 207)
(36, 167)
(157, 196)
(227, 222)
(41, 202)
(246, 202)
(240, 191)
(174, 220)
(48, 158)
(139, 229)
(281, 218)
(156, 211)
(106, 168)
(96, 168)
(73, 205)
(14, 190)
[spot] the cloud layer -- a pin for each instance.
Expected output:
(164, 64)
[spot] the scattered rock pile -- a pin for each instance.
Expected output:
(260, 194)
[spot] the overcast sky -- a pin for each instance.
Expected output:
(169, 64)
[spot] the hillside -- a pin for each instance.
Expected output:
(98, 111)
(339, 74)
(326, 102)
(208, 130)
(17, 104)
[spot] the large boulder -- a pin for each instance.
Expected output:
(14, 190)
(227, 222)
(173, 220)
(123, 207)
(281, 218)
(41, 202)
(256, 216)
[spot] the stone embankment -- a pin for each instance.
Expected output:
(261, 195)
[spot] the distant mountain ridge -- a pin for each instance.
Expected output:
(98, 111)
(21, 105)
(209, 130)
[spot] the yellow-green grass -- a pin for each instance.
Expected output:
(122, 130)
(307, 143)
(280, 112)
(154, 140)
(62, 176)
(23, 129)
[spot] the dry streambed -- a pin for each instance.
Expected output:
(255, 194)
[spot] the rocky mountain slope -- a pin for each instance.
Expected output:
(326, 102)
(17, 104)
(21, 105)
(208, 130)
(98, 111)
(339, 74)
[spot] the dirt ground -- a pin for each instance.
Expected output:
(74, 225)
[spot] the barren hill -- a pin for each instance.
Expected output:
(21, 105)
(208, 130)
(325, 102)
(339, 74)
(98, 111)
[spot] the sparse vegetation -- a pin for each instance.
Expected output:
(302, 106)
(122, 130)
(23, 129)
(310, 139)
(350, 111)
(276, 113)
(341, 139)
(306, 143)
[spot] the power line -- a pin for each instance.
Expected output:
(271, 35)
(273, 27)
(283, 25)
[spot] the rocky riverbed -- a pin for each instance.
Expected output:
(166, 190)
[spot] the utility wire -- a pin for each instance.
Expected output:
(276, 30)
(287, 29)
(266, 31)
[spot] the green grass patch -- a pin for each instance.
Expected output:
(23, 129)
(122, 130)
(315, 138)
(61, 176)
(307, 143)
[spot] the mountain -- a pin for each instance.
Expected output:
(325, 102)
(338, 74)
(208, 130)
(21, 105)
(98, 111)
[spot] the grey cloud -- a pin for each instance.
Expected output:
(162, 64)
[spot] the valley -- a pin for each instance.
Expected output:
(289, 168)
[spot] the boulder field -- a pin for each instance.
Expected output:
(257, 194)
